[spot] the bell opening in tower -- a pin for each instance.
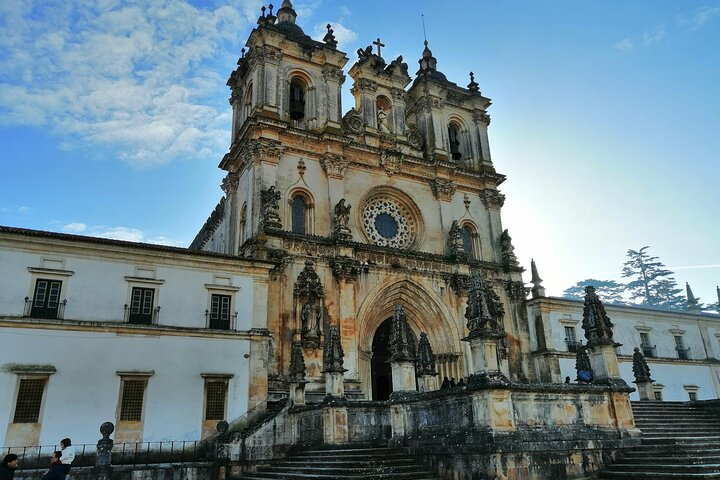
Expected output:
(297, 99)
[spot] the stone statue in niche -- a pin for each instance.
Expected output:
(269, 201)
(311, 316)
(382, 121)
(508, 251)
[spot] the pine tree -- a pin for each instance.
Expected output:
(609, 291)
(652, 284)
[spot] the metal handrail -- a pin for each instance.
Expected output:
(59, 309)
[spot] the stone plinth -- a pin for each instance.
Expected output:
(427, 383)
(297, 393)
(645, 390)
(403, 376)
(603, 359)
(334, 385)
(484, 355)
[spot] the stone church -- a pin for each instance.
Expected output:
(394, 202)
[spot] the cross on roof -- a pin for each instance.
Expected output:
(379, 44)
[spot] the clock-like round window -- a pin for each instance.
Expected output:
(389, 221)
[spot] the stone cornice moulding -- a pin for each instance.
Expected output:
(51, 271)
(28, 369)
(152, 281)
(135, 373)
(217, 376)
(227, 288)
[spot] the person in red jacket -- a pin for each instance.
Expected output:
(57, 470)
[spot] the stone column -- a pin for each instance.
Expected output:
(230, 187)
(402, 358)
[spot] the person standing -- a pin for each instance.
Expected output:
(68, 454)
(8, 466)
(57, 470)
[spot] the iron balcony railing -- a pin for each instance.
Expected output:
(140, 318)
(218, 323)
(47, 310)
(683, 353)
(572, 345)
(139, 453)
(649, 351)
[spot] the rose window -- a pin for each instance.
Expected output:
(389, 223)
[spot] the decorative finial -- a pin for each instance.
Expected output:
(271, 9)
(692, 302)
(473, 85)
(402, 342)
(242, 52)
(329, 37)
(425, 357)
(537, 290)
(597, 325)
(466, 201)
(263, 11)
(640, 368)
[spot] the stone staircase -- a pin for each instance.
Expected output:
(344, 464)
(679, 441)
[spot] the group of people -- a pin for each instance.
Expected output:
(60, 462)
(451, 383)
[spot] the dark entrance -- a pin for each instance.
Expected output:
(379, 367)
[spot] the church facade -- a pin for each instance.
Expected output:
(393, 203)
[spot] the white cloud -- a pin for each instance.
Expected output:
(624, 44)
(344, 13)
(131, 76)
(653, 37)
(75, 227)
(701, 17)
(343, 35)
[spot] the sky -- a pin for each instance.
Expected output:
(605, 117)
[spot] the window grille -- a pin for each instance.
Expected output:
(215, 396)
(29, 400)
(131, 403)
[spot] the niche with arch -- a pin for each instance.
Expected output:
(383, 109)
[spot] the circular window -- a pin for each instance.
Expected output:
(389, 222)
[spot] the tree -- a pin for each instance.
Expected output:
(652, 284)
(609, 291)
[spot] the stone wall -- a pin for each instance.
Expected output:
(185, 471)
(508, 431)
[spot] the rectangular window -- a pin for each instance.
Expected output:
(648, 350)
(141, 305)
(131, 400)
(571, 340)
(215, 399)
(683, 353)
(29, 400)
(220, 311)
(46, 298)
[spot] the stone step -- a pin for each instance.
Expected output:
(344, 464)
(665, 468)
(658, 476)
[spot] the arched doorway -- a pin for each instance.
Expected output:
(380, 370)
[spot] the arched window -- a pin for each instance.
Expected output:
(299, 214)
(297, 98)
(469, 237)
(454, 139)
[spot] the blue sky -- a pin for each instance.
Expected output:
(605, 117)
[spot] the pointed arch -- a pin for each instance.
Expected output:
(425, 312)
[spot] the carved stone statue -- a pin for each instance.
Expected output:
(398, 66)
(640, 368)
(309, 295)
(270, 208)
(365, 55)
(342, 217)
(455, 241)
(311, 320)
(508, 251)
(382, 121)
(484, 311)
